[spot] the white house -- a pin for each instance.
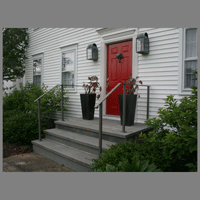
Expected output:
(167, 69)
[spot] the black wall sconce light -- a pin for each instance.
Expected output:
(142, 43)
(92, 52)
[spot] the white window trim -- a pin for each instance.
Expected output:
(181, 89)
(38, 56)
(65, 49)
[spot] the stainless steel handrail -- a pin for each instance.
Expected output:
(62, 107)
(100, 105)
(39, 113)
(46, 93)
(108, 94)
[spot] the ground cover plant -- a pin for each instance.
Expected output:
(20, 113)
(171, 146)
(136, 165)
(120, 157)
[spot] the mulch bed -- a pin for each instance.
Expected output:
(10, 149)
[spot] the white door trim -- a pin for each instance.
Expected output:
(114, 35)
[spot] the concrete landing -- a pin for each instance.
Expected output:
(32, 162)
(109, 126)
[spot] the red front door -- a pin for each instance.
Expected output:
(117, 73)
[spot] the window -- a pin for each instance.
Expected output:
(190, 57)
(37, 71)
(69, 55)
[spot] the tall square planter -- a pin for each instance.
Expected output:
(87, 105)
(130, 109)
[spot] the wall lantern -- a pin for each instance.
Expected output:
(92, 52)
(142, 43)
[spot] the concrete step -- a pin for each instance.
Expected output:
(81, 142)
(74, 142)
(72, 158)
(91, 131)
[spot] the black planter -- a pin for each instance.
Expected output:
(130, 109)
(87, 104)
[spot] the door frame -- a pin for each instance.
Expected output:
(115, 35)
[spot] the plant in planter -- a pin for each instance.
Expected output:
(92, 91)
(131, 99)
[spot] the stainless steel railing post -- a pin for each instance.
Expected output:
(62, 102)
(124, 107)
(39, 120)
(147, 102)
(100, 128)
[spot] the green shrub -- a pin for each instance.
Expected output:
(136, 165)
(20, 128)
(23, 99)
(172, 145)
(20, 113)
(115, 154)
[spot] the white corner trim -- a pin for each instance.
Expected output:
(134, 55)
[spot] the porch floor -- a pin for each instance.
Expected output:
(109, 126)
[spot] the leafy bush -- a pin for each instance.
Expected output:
(115, 154)
(23, 99)
(20, 128)
(20, 113)
(136, 165)
(172, 145)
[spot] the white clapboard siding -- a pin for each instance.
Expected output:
(159, 69)
(49, 41)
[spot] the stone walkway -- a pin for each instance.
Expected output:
(32, 162)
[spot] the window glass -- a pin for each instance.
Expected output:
(37, 80)
(68, 78)
(37, 68)
(68, 67)
(191, 43)
(68, 61)
(190, 63)
(190, 67)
